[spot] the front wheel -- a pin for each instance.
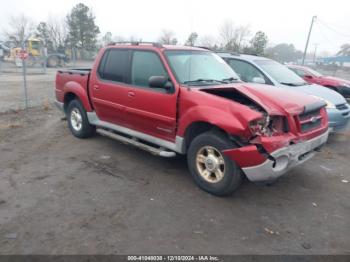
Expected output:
(213, 171)
(77, 120)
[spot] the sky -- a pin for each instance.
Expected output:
(282, 21)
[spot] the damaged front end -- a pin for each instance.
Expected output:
(260, 165)
(278, 140)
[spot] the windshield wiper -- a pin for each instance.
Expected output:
(231, 79)
(204, 80)
(292, 84)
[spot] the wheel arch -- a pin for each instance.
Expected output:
(199, 127)
(68, 97)
(73, 90)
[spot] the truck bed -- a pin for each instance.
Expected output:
(81, 71)
(71, 77)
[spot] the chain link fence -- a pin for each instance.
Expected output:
(39, 72)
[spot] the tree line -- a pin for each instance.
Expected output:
(78, 29)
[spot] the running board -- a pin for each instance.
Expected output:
(133, 141)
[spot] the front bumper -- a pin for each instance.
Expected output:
(338, 119)
(283, 159)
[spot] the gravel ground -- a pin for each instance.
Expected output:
(40, 87)
(63, 195)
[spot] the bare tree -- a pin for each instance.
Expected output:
(107, 39)
(242, 33)
(134, 38)
(57, 30)
(208, 41)
(192, 39)
(227, 32)
(20, 29)
(118, 38)
(167, 37)
(232, 37)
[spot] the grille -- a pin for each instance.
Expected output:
(310, 120)
(342, 107)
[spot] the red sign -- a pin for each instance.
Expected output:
(23, 54)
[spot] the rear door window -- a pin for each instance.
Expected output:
(114, 65)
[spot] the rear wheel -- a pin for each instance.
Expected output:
(213, 171)
(77, 120)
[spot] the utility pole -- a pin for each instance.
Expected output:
(308, 38)
(24, 73)
(314, 59)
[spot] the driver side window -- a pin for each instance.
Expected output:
(144, 65)
(245, 70)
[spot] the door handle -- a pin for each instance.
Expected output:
(96, 87)
(131, 94)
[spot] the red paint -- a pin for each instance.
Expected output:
(166, 116)
(246, 156)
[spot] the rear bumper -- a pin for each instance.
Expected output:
(283, 159)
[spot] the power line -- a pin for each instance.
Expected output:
(320, 32)
(332, 29)
(339, 26)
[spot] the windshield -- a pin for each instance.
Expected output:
(280, 73)
(315, 73)
(200, 68)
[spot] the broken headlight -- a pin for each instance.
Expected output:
(259, 126)
(269, 126)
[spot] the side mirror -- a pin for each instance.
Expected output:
(160, 82)
(258, 80)
(308, 76)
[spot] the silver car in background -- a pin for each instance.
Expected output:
(262, 70)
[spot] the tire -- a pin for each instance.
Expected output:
(77, 120)
(231, 175)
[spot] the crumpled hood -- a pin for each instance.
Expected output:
(276, 101)
(319, 91)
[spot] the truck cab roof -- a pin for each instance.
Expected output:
(152, 46)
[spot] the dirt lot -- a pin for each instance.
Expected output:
(40, 87)
(62, 195)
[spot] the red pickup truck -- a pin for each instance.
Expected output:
(172, 100)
